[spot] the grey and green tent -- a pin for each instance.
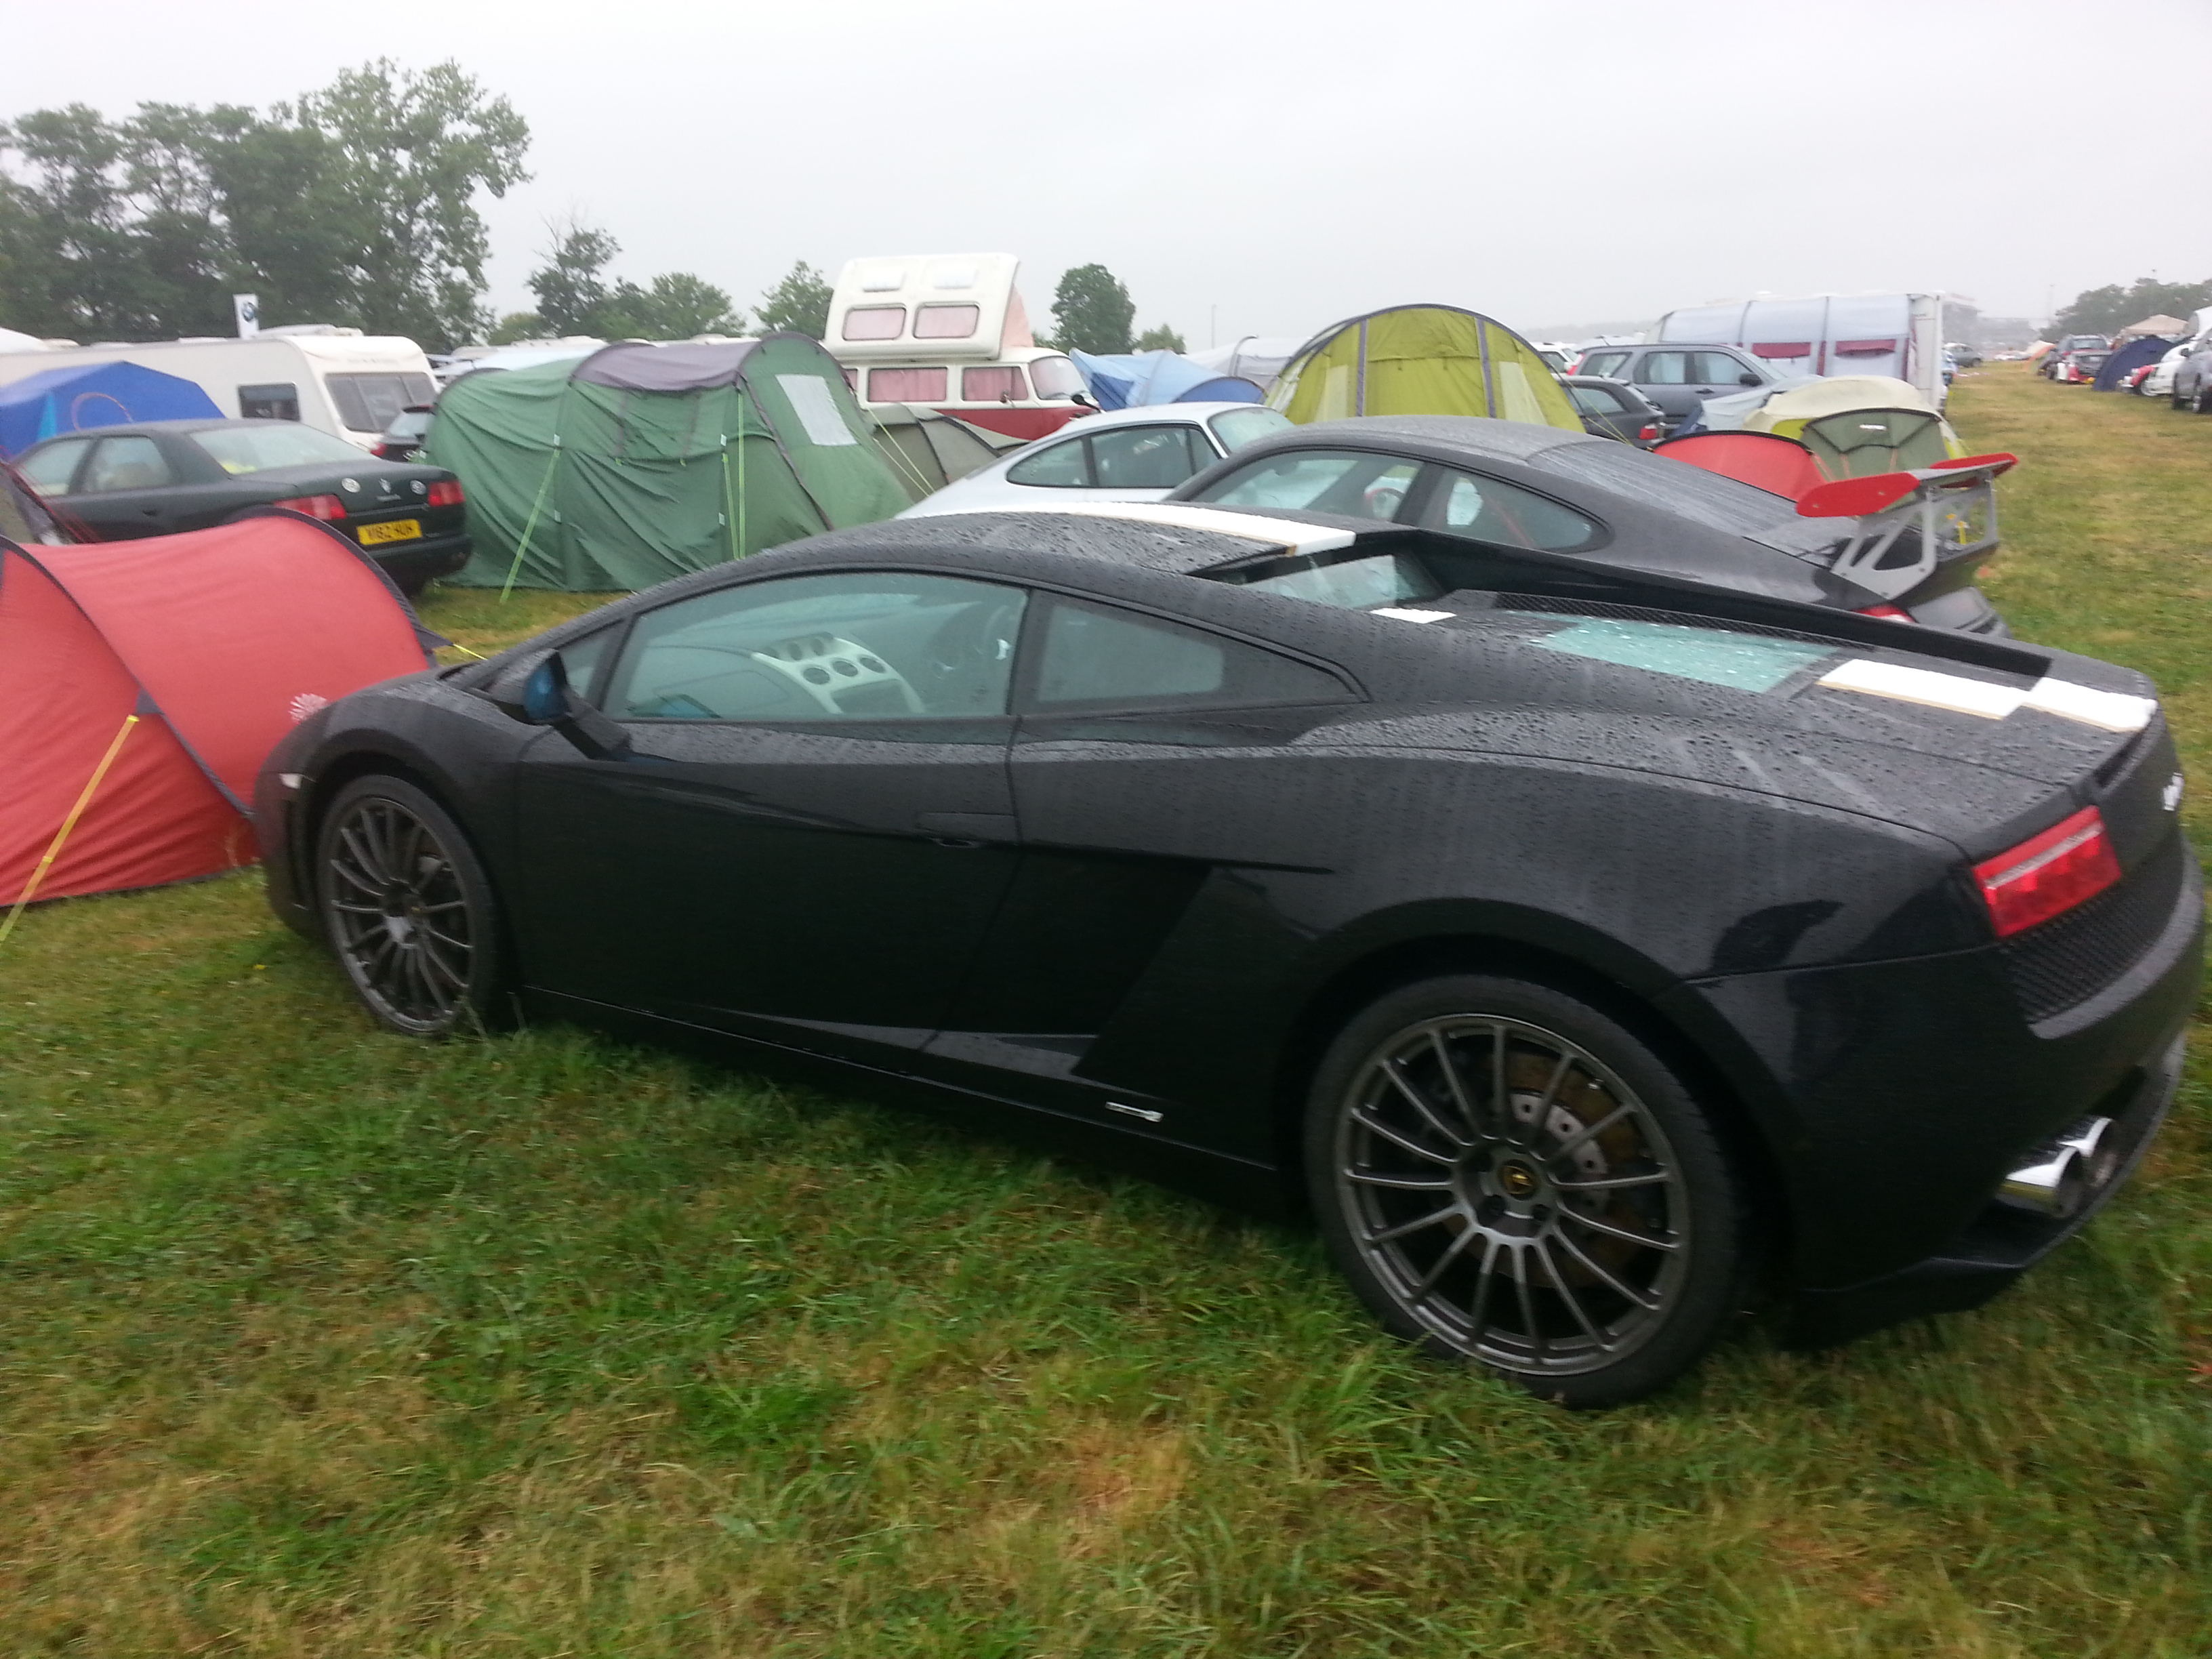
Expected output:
(929, 449)
(642, 462)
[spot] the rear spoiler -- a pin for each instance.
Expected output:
(1940, 501)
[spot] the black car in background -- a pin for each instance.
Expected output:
(1614, 408)
(2075, 360)
(1520, 485)
(156, 477)
(1580, 944)
(1677, 377)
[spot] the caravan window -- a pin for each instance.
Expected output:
(994, 385)
(907, 386)
(278, 402)
(947, 322)
(368, 403)
(1055, 377)
(875, 322)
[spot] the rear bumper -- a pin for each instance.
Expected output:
(411, 564)
(1999, 1244)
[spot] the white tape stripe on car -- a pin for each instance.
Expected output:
(1249, 526)
(2110, 711)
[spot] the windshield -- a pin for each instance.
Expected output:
(1239, 426)
(258, 448)
(1349, 583)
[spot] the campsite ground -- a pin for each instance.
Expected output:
(323, 1342)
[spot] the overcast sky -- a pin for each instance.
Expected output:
(1265, 168)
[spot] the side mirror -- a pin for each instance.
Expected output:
(1749, 380)
(536, 692)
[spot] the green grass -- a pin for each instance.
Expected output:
(324, 1342)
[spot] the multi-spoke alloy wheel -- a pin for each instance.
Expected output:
(1507, 1175)
(406, 907)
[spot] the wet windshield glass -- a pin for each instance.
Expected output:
(259, 448)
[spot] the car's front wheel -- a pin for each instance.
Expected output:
(1509, 1176)
(408, 908)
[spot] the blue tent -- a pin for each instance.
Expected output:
(82, 396)
(2134, 355)
(1133, 381)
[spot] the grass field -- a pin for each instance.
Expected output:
(322, 1342)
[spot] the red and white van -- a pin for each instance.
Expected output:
(949, 330)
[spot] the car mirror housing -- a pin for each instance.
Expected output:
(1749, 380)
(536, 692)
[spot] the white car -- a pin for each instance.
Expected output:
(2160, 382)
(1127, 455)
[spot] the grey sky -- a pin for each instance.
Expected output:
(1283, 164)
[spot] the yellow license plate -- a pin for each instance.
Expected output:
(399, 530)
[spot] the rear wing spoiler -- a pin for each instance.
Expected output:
(1953, 504)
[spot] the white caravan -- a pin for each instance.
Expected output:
(337, 380)
(948, 330)
(1898, 335)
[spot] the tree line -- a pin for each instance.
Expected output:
(2109, 309)
(357, 205)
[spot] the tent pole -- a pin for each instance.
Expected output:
(1489, 380)
(530, 525)
(54, 847)
(1359, 396)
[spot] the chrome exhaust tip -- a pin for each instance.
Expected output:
(2061, 1175)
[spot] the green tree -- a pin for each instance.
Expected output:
(2109, 309)
(1092, 311)
(675, 306)
(572, 291)
(516, 325)
(354, 204)
(800, 302)
(1162, 338)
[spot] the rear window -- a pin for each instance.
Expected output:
(1237, 427)
(1688, 492)
(239, 449)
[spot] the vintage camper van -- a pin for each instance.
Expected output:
(950, 332)
(337, 380)
(1897, 334)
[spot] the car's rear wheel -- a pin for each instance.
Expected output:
(406, 906)
(1507, 1174)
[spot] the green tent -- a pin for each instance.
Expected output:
(642, 462)
(1422, 360)
(929, 449)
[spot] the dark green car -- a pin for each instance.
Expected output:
(157, 477)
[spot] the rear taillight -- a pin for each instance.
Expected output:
(315, 506)
(446, 493)
(1890, 612)
(2049, 874)
(1649, 432)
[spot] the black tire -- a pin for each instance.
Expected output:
(1458, 1202)
(408, 910)
(2202, 404)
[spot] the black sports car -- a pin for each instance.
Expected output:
(1576, 942)
(1568, 492)
(157, 477)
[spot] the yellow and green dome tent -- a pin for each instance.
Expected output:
(1422, 360)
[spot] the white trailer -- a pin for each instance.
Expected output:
(337, 380)
(1898, 335)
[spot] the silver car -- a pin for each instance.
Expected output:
(1127, 455)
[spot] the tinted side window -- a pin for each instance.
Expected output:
(1147, 457)
(1606, 365)
(1467, 504)
(126, 464)
(1095, 656)
(873, 645)
(1716, 368)
(49, 471)
(1664, 368)
(276, 401)
(1327, 481)
(1063, 466)
(1596, 399)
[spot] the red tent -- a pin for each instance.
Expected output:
(143, 682)
(1762, 458)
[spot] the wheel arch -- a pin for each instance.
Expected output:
(1633, 998)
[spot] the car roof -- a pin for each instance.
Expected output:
(1462, 434)
(155, 428)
